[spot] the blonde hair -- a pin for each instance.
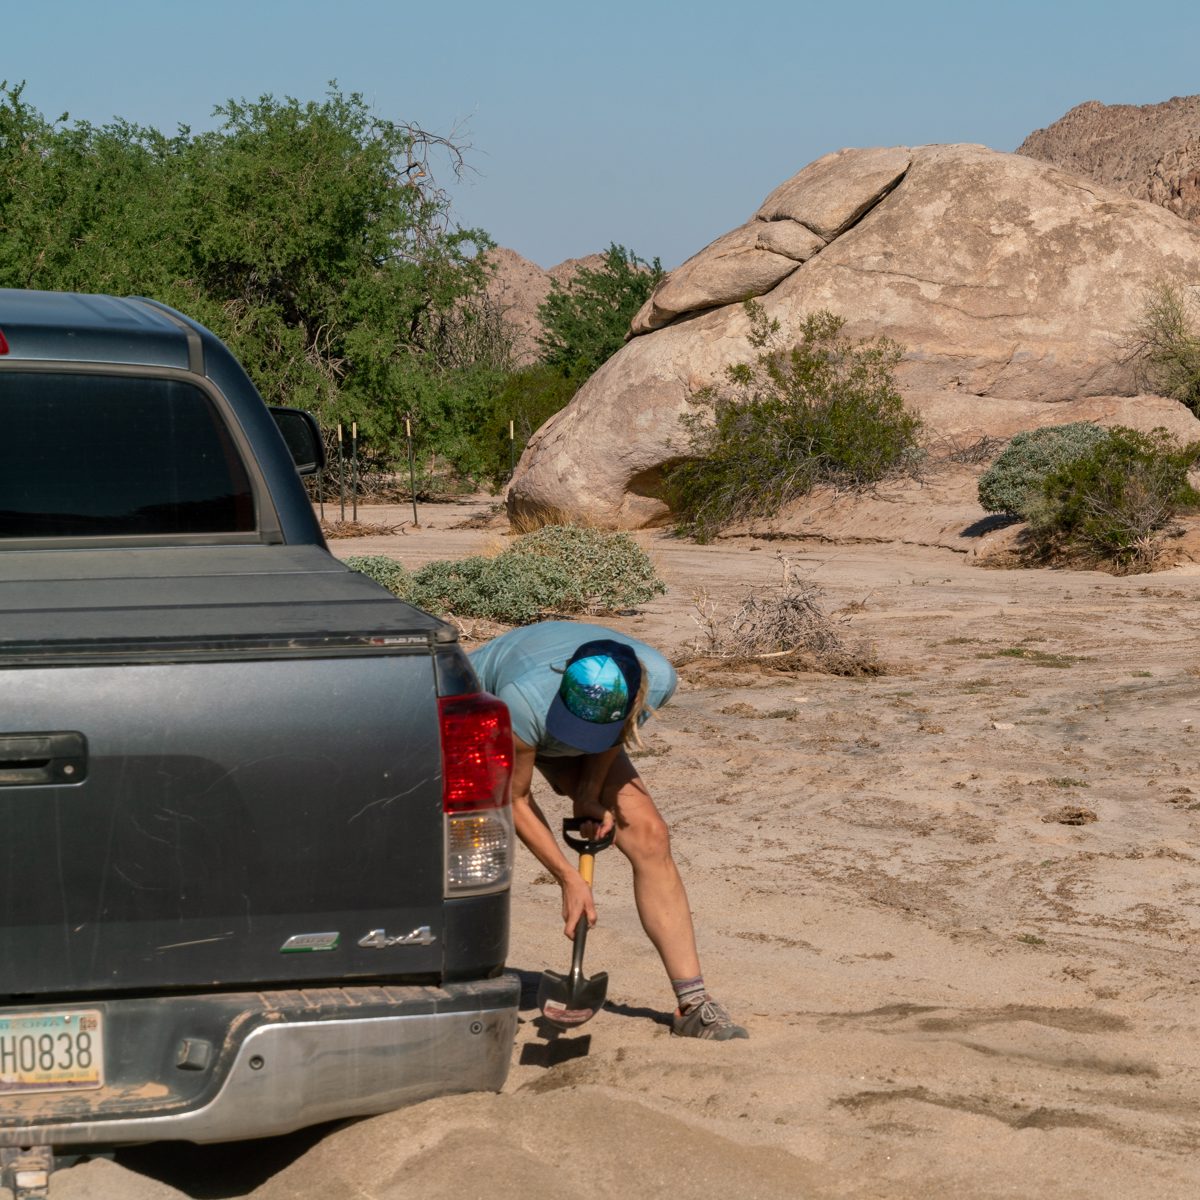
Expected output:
(631, 736)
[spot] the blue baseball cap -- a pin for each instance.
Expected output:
(599, 686)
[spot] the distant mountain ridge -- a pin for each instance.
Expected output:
(519, 286)
(1151, 151)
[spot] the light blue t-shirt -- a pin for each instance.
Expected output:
(524, 668)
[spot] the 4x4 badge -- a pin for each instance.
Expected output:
(302, 943)
(378, 939)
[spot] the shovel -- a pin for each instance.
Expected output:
(570, 1000)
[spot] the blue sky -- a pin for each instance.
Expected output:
(656, 125)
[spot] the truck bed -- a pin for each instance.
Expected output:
(59, 602)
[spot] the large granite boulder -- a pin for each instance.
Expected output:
(798, 219)
(1010, 283)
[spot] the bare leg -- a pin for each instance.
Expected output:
(658, 891)
(662, 903)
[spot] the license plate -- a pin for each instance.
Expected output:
(51, 1051)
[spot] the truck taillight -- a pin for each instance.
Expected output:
(477, 763)
(477, 752)
(3, 343)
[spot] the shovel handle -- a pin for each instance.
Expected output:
(586, 846)
(579, 944)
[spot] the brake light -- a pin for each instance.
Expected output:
(477, 752)
(3, 343)
(477, 764)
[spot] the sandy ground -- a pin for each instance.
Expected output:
(950, 993)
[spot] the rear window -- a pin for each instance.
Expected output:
(105, 456)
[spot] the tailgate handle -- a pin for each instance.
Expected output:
(42, 758)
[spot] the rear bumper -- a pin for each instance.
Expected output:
(283, 1061)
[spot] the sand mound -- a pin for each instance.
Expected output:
(570, 1142)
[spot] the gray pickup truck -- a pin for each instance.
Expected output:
(255, 843)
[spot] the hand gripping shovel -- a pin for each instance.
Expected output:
(570, 1000)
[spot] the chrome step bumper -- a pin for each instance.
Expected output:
(287, 1072)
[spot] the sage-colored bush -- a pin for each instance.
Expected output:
(556, 570)
(1015, 480)
(611, 570)
(516, 589)
(394, 576)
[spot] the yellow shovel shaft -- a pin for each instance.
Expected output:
(586, 863)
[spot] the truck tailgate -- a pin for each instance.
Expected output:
(222, 812)
(260, 786)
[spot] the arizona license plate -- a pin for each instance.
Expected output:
(51, 1051)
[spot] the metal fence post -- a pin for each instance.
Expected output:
(412, 476)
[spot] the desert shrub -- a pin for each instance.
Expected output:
(1165, 343)
(785, 627)
(516, 589)
(558, 569)
(1015, 479)
(825, 410)
(394, 576)
(611, 570)
(1113, 502)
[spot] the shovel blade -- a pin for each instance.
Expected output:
(568, 1004)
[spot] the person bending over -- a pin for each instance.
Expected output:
(578, 695)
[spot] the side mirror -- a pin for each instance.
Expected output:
(303, 437)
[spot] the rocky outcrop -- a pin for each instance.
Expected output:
(1009, 282)
(518, 287)
(1151, 151)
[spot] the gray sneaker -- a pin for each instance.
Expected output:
(707, 1019)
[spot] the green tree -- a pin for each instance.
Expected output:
(585, 322)
(311, 236)
(528, 398)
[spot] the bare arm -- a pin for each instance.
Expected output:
(534, 831)
(593, 772)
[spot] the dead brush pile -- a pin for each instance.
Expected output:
(353, 529)
(782, 628)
